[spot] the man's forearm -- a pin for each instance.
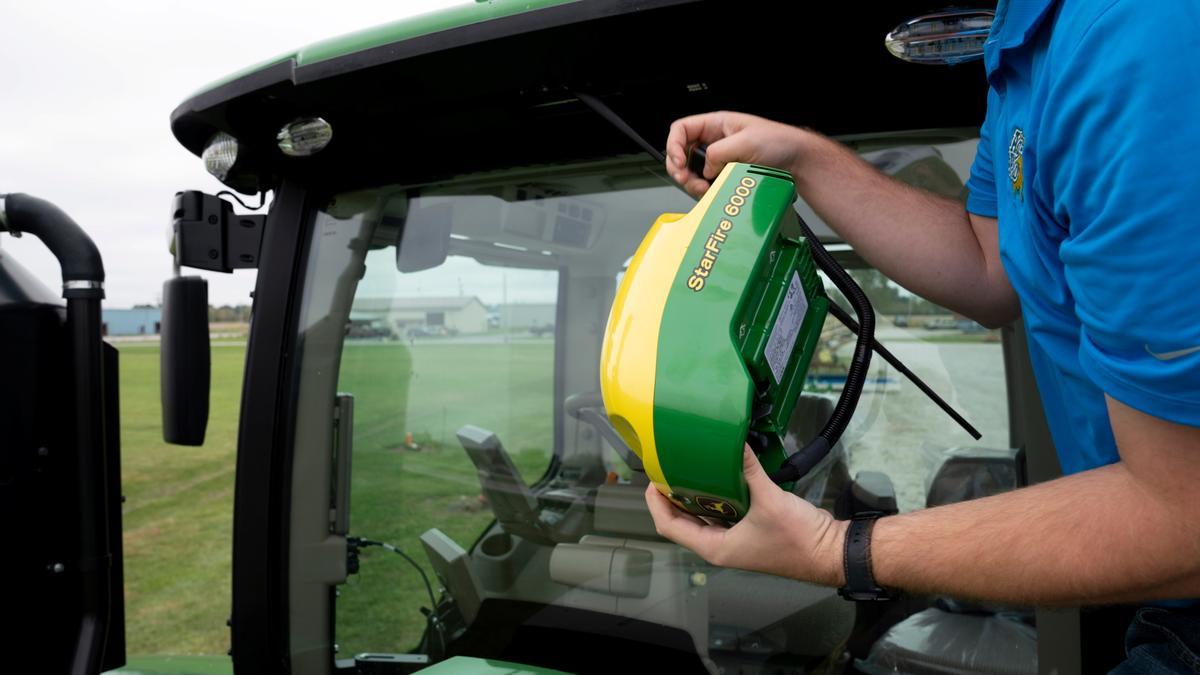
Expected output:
(925, 242)
(1095, 537)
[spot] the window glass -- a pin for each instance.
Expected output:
(897, 429)
(474, 319)
(457, 346)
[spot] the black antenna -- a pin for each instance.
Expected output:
(848, 321)
(601, 109)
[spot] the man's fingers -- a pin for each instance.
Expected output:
(705, 128)
(662, 510)
(682, 528)
(687, 132)
(732, 148)
(713, 163)
(677, 142)
(696, 187)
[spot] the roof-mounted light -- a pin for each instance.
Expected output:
(304, 136)
(950, 37)
(220, 154)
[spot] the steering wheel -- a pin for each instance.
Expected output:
(589, 407)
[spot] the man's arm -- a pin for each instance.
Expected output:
(927, 243)
(1124, 532)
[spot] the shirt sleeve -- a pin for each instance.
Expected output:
(981, 185)
(1120, 157)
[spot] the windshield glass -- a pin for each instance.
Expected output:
(465, 322)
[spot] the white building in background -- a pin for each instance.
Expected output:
(461, 314)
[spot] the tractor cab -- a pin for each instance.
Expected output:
(425, 470)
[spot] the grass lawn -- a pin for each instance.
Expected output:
(179, 501)
(178, 511)
(429, 390)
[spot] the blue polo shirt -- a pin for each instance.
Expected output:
(1090, 159)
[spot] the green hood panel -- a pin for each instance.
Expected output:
(176, 665)
(390, 33)
(424, 24)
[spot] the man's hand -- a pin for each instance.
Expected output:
(781, 534)
(730, 137)
(927, 243)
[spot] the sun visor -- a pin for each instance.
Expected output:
(424, 237)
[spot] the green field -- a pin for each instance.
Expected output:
(429, 390)
(178, 511)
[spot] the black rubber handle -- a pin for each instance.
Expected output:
(75, 250)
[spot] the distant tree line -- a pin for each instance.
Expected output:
(229, 314)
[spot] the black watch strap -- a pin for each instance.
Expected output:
(860, 579)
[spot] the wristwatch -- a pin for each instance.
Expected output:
(860, 580)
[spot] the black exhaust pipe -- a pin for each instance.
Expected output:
(83, 288)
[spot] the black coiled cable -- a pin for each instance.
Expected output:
(803, 460)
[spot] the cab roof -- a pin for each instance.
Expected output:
(389, 33)
(492, 84)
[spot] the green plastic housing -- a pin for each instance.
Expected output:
(733, 356)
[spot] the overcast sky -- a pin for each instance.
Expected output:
(86, 90)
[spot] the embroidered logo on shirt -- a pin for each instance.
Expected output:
(1016, 163)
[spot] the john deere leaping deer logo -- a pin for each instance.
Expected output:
(716, 506)
(1016, 163)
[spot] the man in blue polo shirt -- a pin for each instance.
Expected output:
(1084, 219)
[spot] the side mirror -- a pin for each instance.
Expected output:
(185, 360)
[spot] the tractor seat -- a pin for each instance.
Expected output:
(511, 500)
(956, 636)
(937, 642)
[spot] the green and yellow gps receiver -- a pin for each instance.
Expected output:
(710, 337)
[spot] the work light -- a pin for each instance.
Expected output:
(946, 38)
(220, 154)
(304, 136)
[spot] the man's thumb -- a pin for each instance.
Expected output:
(718, 154)
(756, 476)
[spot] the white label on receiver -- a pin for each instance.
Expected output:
(787, 328)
